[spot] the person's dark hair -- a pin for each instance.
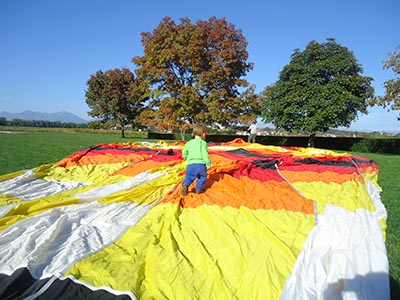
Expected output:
(199, 129)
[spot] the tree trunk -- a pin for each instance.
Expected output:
(122, 123)
(311, 140)
(123, 131)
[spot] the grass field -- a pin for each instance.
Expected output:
(27, 148)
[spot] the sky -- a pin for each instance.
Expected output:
(50, 48)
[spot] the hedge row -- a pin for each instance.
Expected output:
(366, 145)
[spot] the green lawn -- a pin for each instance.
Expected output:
(26, 149)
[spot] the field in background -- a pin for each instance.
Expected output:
(30, 147)
(27, 148)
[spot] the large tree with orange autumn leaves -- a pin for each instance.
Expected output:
(195, 72)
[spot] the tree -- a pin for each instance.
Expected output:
(195, 72)
(321, 88)
(249, 104)
(391, 98)
(116, 96)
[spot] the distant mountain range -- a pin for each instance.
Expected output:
(62, 116)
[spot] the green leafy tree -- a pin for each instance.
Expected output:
(321, 88)
(195, 72)
(391, 99)
(116, 96)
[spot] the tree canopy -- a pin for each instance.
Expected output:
(116, 96)
(391, 98)
(195, 72)
(321, 88)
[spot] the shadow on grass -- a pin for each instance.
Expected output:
(394, 289)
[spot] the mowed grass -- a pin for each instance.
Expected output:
(26, 149)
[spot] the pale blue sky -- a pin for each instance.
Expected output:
(49, 49)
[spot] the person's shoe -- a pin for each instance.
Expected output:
(199, 191)
(185, 188)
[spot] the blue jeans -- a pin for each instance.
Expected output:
(194, 171)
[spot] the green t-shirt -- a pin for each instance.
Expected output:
(196, 152)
